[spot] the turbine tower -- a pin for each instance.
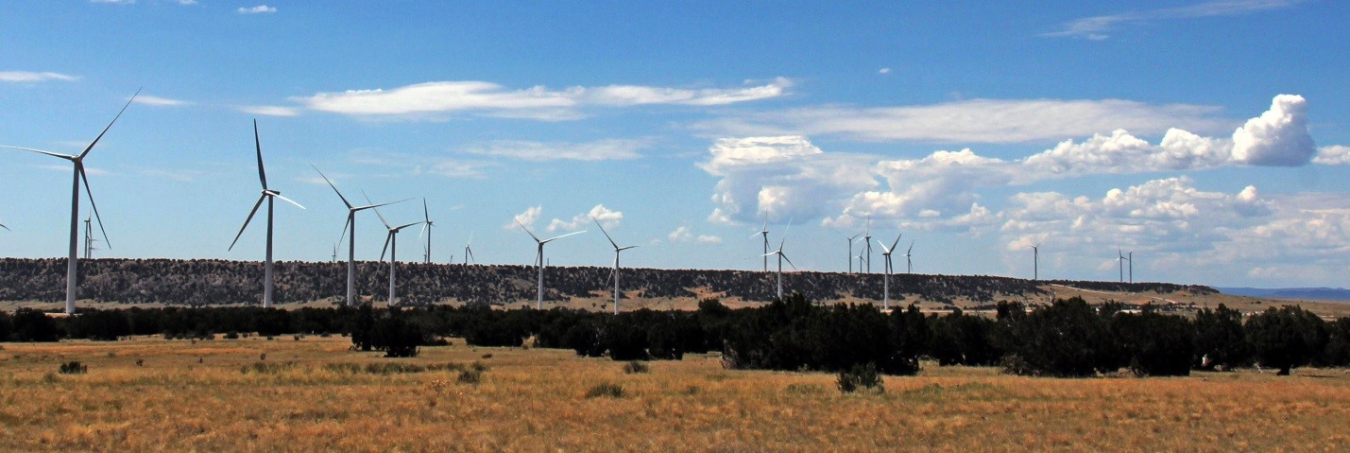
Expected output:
(850, 251)
(1120, 263)
(909, 264)
(617, 251)
(88, 237)
(267, 195)
(1130, 258)
(391, 246)
(350, 227)
(72, 265)
(782, 257)
(867, 237)
(1036, 262)
(886, 283)
(539, 259)
(426, 227)
(468, 250)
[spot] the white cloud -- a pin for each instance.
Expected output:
(971, 121)
(1333, 155)
(784, 176)
(159, 101)
(260, 9)
(27, 76)
(613, 149)
(526, 218)
(1278, 137)
(884, 71)
(681, 234)
(452, 168)
(1097, 27)
(426, 100)
(709, 239)
(114, 2)
(607, 217)
(269, 110)
(186, 2)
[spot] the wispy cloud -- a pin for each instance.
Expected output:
(433, 100)
(260, 9)
(971, 121)
(269, 110)
(114, 2)
(1098, 27)
(28, 76)
(159, 101)
(613, 149)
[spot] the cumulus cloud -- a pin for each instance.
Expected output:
(972, 121)
(607, 217)
(28, 77)
(425, 100)
(613, 149)
(1333, 155)
(1278, 137)
(782, 176)
(260, 9)
(526, 218)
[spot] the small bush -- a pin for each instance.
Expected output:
(470, 376)
(605, 389)
(861, 376)
(635, 367)
(231, 335)
(73, 368)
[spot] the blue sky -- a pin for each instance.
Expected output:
(1209, 138)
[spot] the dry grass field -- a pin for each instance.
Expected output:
(222, 395)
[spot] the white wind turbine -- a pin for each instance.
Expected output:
(1036, 262)
(867, 238)
(72, 266)
(1120, 262)
(617, 251)
(426, 227)
(782, 257)
(268, 194)
(350, 227)
(909, 265)
(391, 246)
(539, 259)
(468, 250)
(764, 231)
(850, 251)
(886, 285)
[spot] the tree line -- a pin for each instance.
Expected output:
(1067, 338)
(219, 282)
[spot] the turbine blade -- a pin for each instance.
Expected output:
(288, 200)
(377, 211)
(400, 227)
(330, 184)
(343, 235)
(385, 249)
(5, 227)
(80, 168)
(262, 174)
(628, 247)
(602, 230)
(785, 258)
(425, 225)
(426, 215)
(35, 150)
(372, 206)
(897, 241)
(574, 233)
(523, 227)
(470, 239)
(246, 221)
(883, 247)
(109, 126)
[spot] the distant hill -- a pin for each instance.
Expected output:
(1336, 294)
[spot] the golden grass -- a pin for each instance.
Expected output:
(195, 397)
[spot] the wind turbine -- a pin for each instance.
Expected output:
(764, 231)
(426, 227)
(539, 259)
(850, 251)
(1130, 258)
(782, 257)
(617, 250)
(88, 237)
(72, 265)
(886, 283)
(909, 265)
(1120, 263)
(350, 226)
(468, 250)
(267, 195)
(391, 246)
(868, 239)
(1036, 262)
(334, 253)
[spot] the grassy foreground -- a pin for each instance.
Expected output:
(212, 396)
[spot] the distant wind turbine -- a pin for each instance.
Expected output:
(909, 264)
(1036, 262)
(391, 246)
(868, 239)
(850, 251)
(539, 259)
(350, 227)
(468, 250)
(1130, 258)
(782, 257)
(617, 251)
(427, 224)
(1120, 263)
(764, 231)
(72, 264)
(886, 285)
(268, 194)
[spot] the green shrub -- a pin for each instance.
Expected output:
(470, 376)
(605, 389)
(861, 376)
(73, 368)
